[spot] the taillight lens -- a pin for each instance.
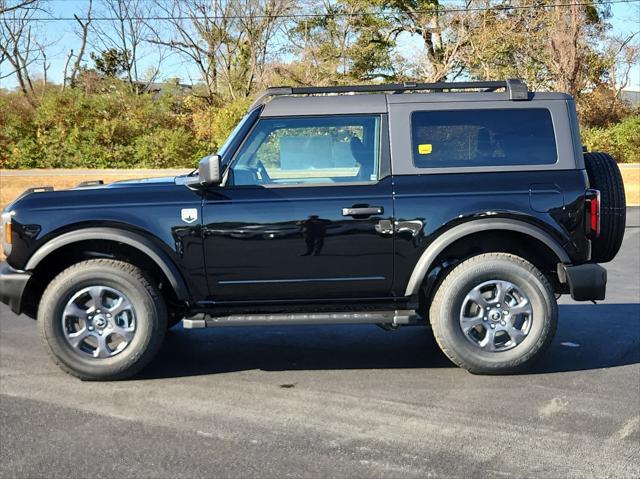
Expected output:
(593, 213)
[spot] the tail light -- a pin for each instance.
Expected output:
(592, 219)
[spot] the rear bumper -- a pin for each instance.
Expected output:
(587, 282)
(12, 284)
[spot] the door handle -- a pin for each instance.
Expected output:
(368, 211)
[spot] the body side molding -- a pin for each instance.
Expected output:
(474, 226)
(129, 238)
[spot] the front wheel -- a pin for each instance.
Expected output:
(102, 319)
(494, 313)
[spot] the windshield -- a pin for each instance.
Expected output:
(248, 118)
(235, 137)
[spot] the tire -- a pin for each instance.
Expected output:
(451, 310)
(68, 314)
(604, 175)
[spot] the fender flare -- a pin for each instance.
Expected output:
(137, 241)
(445, 239)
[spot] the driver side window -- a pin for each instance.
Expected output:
(309, 150)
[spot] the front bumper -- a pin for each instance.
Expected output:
(12, 284)
(587, 282)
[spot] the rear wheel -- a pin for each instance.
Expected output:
(494, 313)
(102, 319)
(604, 175)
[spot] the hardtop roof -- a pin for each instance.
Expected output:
(371, 103)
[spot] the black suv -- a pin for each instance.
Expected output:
(466, 206)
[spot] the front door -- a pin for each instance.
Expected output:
(303, 213)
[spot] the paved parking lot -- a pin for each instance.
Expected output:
(336, 401)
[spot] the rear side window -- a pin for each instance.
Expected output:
(465, 138)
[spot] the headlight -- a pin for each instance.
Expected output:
(7, 232)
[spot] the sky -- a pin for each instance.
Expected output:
(61, 38)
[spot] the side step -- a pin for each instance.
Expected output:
(390, 318)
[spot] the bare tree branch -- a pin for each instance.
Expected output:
(228, 42)
(126, 32)
(6, 8)
(17, 46)
(84, 35)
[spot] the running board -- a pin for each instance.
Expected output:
(392, 318)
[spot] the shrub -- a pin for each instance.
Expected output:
(107, 128)
(215, 124)
(602, 108)
(621, 140)
(168, 149)
(105, 125)
(226, 118)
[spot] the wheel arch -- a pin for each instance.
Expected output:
(132, 240)
(486, 225)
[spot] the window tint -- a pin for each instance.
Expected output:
(309, 150)
(459, 138)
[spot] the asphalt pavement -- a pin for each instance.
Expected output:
(340, 401)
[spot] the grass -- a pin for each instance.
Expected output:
(631, 177)
(14, 182)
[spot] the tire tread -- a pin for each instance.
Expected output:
(604, 175)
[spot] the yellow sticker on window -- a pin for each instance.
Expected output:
(425, 148)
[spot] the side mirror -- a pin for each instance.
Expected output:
(209, 170)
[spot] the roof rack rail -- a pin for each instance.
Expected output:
(516, 89)
(89, 183)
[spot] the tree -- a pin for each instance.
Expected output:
(6, 6)
(111, 62)
(19, 46)
(602, 105)
(83, 35)
(444, 34)
(550, 47)
(126, 31)
(250, 47)
(340, 42)
(573, 31)
(228, 42)
(508, 43)
(359, 40)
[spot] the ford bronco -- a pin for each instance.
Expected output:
(469, 207)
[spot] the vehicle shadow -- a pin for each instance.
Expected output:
(589, 337)
(593, 336)
(275, 348)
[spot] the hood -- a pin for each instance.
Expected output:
(142, 182)
(94, 192)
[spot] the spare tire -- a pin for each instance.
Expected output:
(604, 175)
